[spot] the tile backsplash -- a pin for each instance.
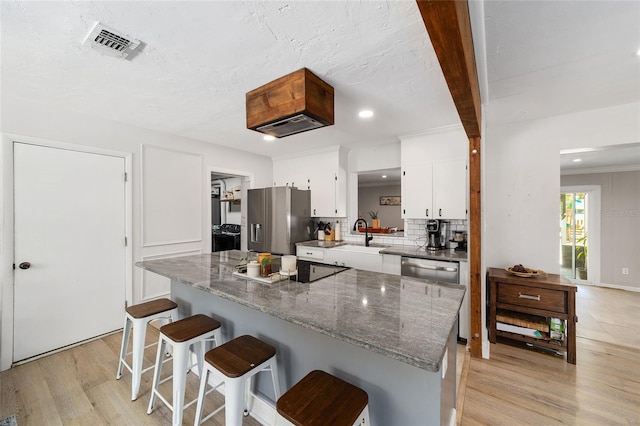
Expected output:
(415, 233)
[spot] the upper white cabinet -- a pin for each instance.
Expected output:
(417, 190)
(434, 175)
(324, 172)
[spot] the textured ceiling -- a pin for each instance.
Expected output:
(535, 59)
(201, 58)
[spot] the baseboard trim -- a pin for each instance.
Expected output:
(616, 287)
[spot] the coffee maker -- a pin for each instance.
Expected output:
(433, 235)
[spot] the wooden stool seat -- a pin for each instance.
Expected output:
(152, 307)
(189, 328)
(322, 399)
(193, 331)
(240, 355)
(236, 362)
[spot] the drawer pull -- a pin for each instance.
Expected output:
(526, 296)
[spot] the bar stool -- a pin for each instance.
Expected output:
(238, 361)
(193, 330)
(322, 399)
(137, 317)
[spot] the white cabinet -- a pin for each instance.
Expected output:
(391, 264)
(417, 191)
(434, 176)
(310, 253)
(354, 259)
(450, 190)
(324, 172)
(322, 184)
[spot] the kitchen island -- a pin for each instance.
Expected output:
(395, 337)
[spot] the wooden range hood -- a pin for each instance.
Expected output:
(292, 104)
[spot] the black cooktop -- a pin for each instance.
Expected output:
(309, 272)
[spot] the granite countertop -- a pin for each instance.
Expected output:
(409, 251)
(450, 255)
(322, 243)
(407, 319)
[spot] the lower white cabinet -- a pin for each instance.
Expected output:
(364, 261)
(391, 264)
(315, 254)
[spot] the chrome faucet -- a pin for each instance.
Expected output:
(367, 238)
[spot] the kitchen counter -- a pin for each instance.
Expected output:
(372, 326)
(391, 335)
(421, 253)
(450, 255)
(322, 243)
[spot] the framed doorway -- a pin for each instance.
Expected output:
(579, 236)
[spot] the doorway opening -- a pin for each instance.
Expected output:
(579, 234)
(227, 213)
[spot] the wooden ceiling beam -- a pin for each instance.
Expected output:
(449, 29)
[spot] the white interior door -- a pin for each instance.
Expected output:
(70, 227)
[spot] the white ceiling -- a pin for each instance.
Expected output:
(201, 57)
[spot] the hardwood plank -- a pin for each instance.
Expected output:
(78, 387)
(521, 386)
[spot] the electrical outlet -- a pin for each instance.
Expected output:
(625, 271)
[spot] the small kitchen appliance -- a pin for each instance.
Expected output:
(433, 235)
(444, 233)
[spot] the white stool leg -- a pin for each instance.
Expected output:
(156, 374)
(234, 395)
(204, 377)
(139, 335)
(125, 345)
(180, 365)
(275, 377)
(364, 416)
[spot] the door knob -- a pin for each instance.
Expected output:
(24, 265)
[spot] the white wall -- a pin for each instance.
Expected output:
(522, 180)
(29, 121)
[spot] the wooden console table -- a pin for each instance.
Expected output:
(550, 296)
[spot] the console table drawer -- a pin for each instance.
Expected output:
(532, 297)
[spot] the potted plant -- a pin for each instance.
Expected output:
(375, 222)
(265, 266)
(581, 257)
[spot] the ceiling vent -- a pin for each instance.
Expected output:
(111, 42)
(292, 104)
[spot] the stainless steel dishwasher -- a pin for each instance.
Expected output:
(443, 271)
(436, 270)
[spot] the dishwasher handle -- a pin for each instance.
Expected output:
(431, 267)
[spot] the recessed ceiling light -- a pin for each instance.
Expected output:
(269, 138)
(366, 113)
(638, 52)
(384, 176)
(577, 160)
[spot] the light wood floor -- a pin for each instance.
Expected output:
(608, 315)
(78, 387)
(516, 386)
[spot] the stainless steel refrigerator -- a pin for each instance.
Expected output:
(278, 218)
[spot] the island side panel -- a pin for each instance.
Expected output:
(398, 393)
(448, 398)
